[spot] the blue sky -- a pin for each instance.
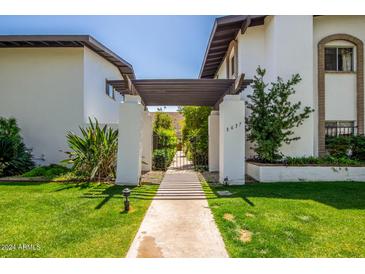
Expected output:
(156, 46)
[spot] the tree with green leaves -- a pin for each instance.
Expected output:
(273, 116)
(162, 120)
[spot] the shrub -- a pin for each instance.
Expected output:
(273, 116)
(162, 158)
(195, 134)
(165, 141)
(94, 154)
(15, 158)
(352, 147)
(50, 171)
(358, 147)
(339, 146)
(326, 160)
(165, 138)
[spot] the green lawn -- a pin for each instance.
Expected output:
(291, 219)
(69, 220)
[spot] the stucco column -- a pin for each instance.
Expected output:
(130, 141)
(213, 144)
(147, 141)
(232, 140)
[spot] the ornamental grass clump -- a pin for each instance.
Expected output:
(94, 153)
(273, 116)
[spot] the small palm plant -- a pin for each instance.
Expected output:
(94, 153)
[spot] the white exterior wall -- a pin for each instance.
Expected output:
(283, 46)
(340, 87)
(97, 103)
(42, 88)
(289, 51)
(251, 49)
(222, 71)
(54, 90)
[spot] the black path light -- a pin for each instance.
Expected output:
(126, 194)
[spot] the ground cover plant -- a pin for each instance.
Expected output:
(48, 172)
(68, 219)
(319, 219)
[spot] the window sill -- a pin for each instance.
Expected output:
(339, 72)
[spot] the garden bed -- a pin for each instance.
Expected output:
(268, 173)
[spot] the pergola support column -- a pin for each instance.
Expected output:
(213, 141)
(232, 140)
(147, 141)
(129, 162)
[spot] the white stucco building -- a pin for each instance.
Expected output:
(327, 52)
(52, 84)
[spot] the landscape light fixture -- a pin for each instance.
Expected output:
(126, 194)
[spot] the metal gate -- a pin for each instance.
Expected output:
(182, 155)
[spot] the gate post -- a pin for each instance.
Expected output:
(130, 141)
(232, 140)
(213, 143)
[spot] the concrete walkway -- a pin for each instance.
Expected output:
(179, 223)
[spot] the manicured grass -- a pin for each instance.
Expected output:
(291, 219)
(69, 220)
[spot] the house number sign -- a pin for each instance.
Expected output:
(234, 126)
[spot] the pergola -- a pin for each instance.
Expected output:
(180, 92)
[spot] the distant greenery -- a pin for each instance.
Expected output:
(162, 120)
(94, 153)
(48, 172)
(15, 158)
(195, 133)
(69, 220)
(273, 115)
(291, 220)
(165, 141)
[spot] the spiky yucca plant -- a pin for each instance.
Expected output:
(94, 153)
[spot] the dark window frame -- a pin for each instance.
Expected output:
(337, 48)
(107, 90)
(232, 61)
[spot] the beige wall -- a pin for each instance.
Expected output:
(42, 88)
(97, 103)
